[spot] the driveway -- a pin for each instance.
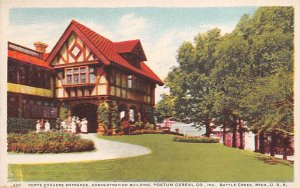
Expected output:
(104, 150)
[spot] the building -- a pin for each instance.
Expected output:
(30, 84)
(82, 70)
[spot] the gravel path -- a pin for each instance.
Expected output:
(104, 150)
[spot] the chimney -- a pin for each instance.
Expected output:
(40, 46)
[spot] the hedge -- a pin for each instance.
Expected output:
(20, 125)
(50, 142)
(195, 139)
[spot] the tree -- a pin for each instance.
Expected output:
(230, 79)
(150, 114)
(230, 75)
(165, 107)
(190, 85)
(64, 112)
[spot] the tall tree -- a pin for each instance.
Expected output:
(190, 82)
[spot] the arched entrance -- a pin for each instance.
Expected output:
(88, 111)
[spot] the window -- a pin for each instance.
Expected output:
(75, 75)
(22, 75)
(83, 75)
(31, 102)
(118, 78)
(12, 73)
(69, 79)
(79, 75)
(129, 81)
(30, 75)
(76, 78)
(124, 84)
(92, 75)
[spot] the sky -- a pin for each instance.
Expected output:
(161, 30)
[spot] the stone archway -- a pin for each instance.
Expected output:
(88, 111)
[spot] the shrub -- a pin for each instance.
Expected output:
(138, 125)
(64, 112)
(114, 116)
(20, 125)
(150, 126)
(51, 142)
(195, 139)
(103, 113)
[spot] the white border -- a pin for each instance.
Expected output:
(5, 5)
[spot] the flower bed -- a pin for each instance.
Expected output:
(52, 142)
(148, 131)
(195, 139)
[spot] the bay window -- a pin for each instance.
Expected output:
(80, 75)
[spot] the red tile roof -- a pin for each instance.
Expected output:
(27, 59)
(110, 51)
(45, 56)
(126, 46)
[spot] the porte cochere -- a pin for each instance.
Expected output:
(83, 70)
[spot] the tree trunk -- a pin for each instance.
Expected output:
(256, 149)
(272, 144)
(285, 146)
(241, 133)
(234, 130)
(224, 129)
(224, 133)
(207, 125)
(262, 142)
(256, 143)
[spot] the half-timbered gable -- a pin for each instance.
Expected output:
(73, 51)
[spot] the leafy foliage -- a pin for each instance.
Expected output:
(20, 125)
(103, 113)
(64, 112)
(150, 114)
(165, 108)
(115, 120)
(246, 74)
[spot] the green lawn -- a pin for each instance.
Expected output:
(169, 161)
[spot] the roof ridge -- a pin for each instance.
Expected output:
(76, 23)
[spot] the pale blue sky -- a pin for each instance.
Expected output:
(161, 30)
